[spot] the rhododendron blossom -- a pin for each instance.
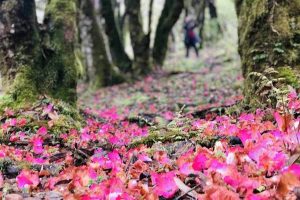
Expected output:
(27, 178)
(42, 131)
(37, 145)
(164, 184)
(200, 162)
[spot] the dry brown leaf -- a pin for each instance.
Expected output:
(292, 159)
(287, 183)
(51, 123)
(53, 115)
(220, 193)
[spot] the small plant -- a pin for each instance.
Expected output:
(266, 85)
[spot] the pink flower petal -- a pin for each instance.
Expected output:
(200, 162)
(27, 178)
(165, 184)
(42, 131)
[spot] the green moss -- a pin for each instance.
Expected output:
(289, 75)
(64, 124)
(21, 92)
(6, 101)
(68, 110)
(62, 10)
(68, 117)
(161, 136)
(281, 21)
(23, 88)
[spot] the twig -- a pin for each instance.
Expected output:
(187, 192)
(128, 165)
(82, 153)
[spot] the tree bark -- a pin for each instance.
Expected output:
(139, 39)
(119, 56)
(269, 38)
(84, 26)
(200, 6)
(37, 62)
(188, 9)
(212, 9)
(61, 56)
(170, 14)
(214, 14)
(19, 46)
(102, 73)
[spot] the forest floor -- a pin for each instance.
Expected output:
(214, 78)
(167, 136)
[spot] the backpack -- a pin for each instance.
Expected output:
(191, 34)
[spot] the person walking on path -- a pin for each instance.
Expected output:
(190, 38)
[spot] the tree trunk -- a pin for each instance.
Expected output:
(37, 61)
(119, 56)
(214, 17)
(29, 70)
(102, 72)
(61, 56)
(139, 40)
(19, 46)
(269, 38)
(200, 6)
(84, 26)
(119, 15)
(212, 9)
(188, 9)
(170, 14)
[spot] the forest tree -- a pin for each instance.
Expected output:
(38, 61)
(269, 46)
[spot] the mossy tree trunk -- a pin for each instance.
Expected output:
(33, 61)
(269, 37)
(19, 46)
(119, 56)
(170, 14)
(139, 39)
(103, 72)
(61, 56)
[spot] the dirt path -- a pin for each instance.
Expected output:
(213, 78)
